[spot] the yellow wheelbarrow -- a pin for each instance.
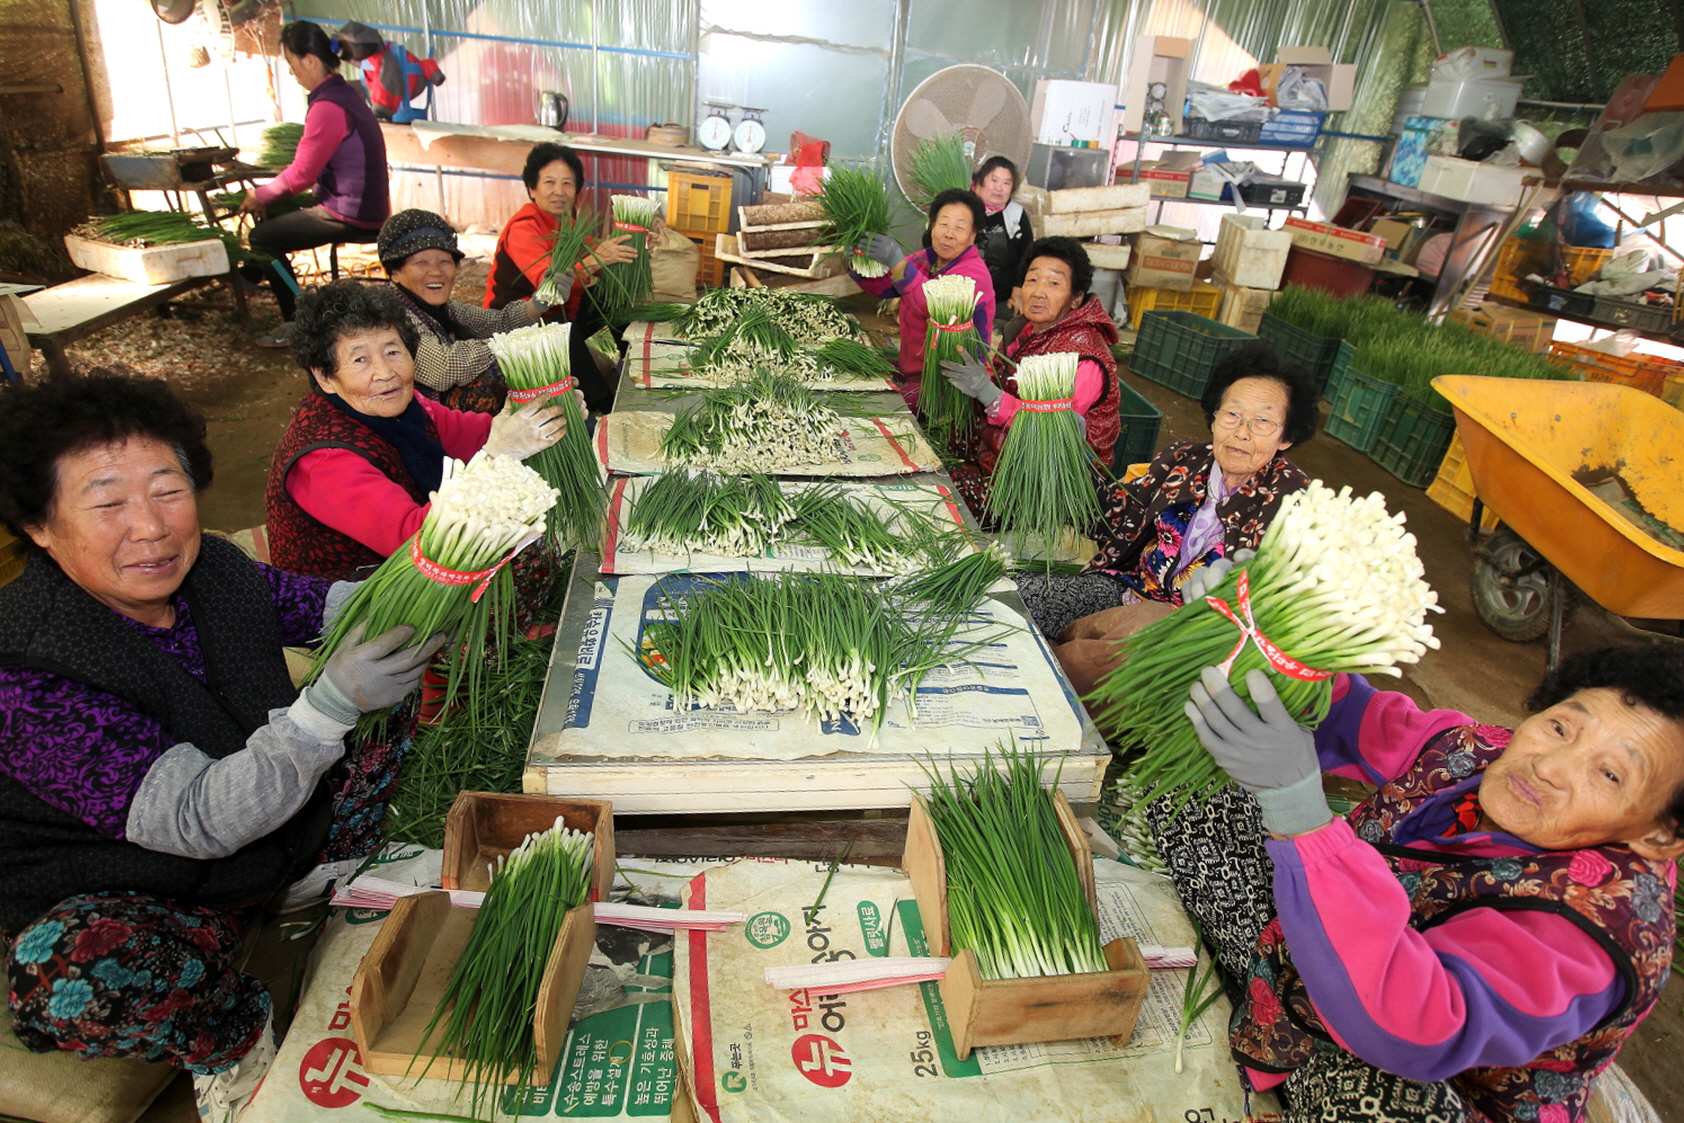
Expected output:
(1588, 480)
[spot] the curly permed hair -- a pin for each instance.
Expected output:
(344, 308)
(1258, 360)
(1649, 675)
(41, 424)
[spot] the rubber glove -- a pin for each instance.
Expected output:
(523, 432)
(363, 676)
(971, 379)
(1265, 751)
(1203, 581)
(881, 248)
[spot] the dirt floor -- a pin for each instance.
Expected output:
(247, 394)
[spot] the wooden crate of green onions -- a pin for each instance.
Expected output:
(482, 996)
(1003, 876)
(484, 827)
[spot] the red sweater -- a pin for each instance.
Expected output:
(344, 491)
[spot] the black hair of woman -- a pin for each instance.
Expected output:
(304, 38)
(1258, 360)
(344, 308)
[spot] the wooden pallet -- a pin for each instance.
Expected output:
(820, 261)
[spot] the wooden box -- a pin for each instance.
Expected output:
(485, 826)
(399, 982)
(1013, 1011)
(153, 265)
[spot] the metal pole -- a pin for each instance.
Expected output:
(169, 96)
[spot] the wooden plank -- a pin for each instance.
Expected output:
(780, 214)
(75, 309)
(725, 248)
(751, 241)
(484, 826)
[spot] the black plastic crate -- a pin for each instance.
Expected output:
(1225, 132)
(1630, 314)
(1563, 302)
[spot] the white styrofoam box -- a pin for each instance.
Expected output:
(1472, 182)
(1474, 62)
(1156, 58)
(1064, 112)
(1130, 220)
(1249, 254)
(1118, 196)
(154, 265)
(1108, 257)
(1489, 99)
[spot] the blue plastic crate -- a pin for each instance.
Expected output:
(1292, 126)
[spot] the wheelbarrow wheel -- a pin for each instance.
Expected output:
(1516, 608)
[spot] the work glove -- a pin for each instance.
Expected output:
(524, 431)
(881, 248)
(1265, 751)
(554, 290)
(1203, 581)
(363, 676)
(971, 379)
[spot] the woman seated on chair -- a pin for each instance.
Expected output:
(341, 157)
(1198, 502)
(1059, 314)
(453, 363)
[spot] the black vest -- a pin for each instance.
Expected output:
(48, 623)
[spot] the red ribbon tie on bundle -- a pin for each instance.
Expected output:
(1277, 659)
(965, 325)
(439, 575)
(538, 392)
(631, 227)
(1050, 405)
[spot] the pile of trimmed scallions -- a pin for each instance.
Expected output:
(1336, 587)
(949, 416)
(805, 316)
(487, 1010)
(833, 647)
(1044, 484)
(625, 284)
(567, 248)
(764, 423)
(535, 363)
(451, 576)
(1013, 894)
(856, 206)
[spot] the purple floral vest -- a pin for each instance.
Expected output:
(1623, 901)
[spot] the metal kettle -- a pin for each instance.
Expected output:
(552, 109)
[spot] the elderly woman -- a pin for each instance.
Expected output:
(453, 363)
(348, 483)
(949, 249)
(160, 775)
(1478, 938)
(1005, 235)
(1058, 314)
(1196, 503)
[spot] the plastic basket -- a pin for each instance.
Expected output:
(1518, 258)
(1203, 299)
(1140, 422)
(698, 204)
(1563, 302)
(1453, 487)
(12, 552)
(1179, 350)
(1630, 314)
(1412, 440)
(1292, 126)
(1647, 373)
(1357, 406)
(1673, 392)
(1227, 132)
(1315, 353)
(709, 270)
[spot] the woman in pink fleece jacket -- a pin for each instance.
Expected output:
(1477, 939)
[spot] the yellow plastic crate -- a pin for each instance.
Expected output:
(1454, 488)
(698, 204)
(11, 556)
(1204, 299)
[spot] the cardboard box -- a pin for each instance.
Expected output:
(1067, 113)
(1242, 307)
(1336, 241)
(1165, 257)
(1157, 58)
(1249, 254)
(1414, 145)
(1339, 78)
(1205, 185)
(1164, 179)
(1472, 182)
(1395, 231)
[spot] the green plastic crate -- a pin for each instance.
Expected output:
(1358, 407)
(1413, 439)
(1179, 349)
(1316, 353)
(1139, 436)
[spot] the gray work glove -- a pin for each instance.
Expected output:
(881, 248)
(554, 290)
(1203, 581)
(363, 676)
(1266, 752)
(521, 432)
(971, 379)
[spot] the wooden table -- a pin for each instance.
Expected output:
(76, 309)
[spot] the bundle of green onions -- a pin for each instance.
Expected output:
(806, 316)
(567, 247)
(938, 164)
(1013, 894)
(699, 512)
(763, 423)
(487, 1009)
(856, 206)
(949, 416)
(231, 201)
(452, 575)
(535, 363)
(847, 529)
(844, 356)
(1043, 484)
(280, 144)
(164, 228)
(1336, 587)
(625, 284)
(834, 647)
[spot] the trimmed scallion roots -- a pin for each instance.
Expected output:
(537, 360)
(625, 284)
(764, 423)
(1013, 893)
(1043, 484)
(856, 206)
(567, 248)
(1336, 586)
(805, 316)
(949, 416)
(487, 1009)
